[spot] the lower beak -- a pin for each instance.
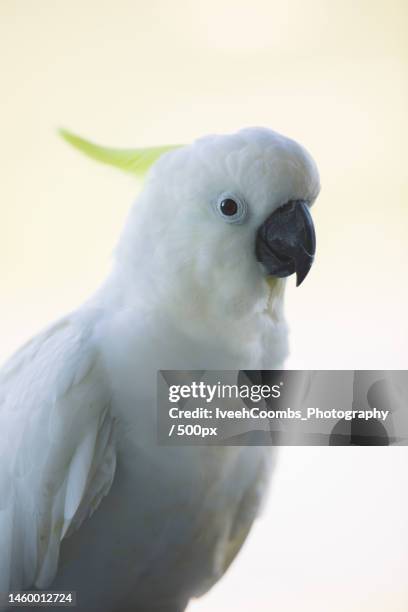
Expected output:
(286, 241)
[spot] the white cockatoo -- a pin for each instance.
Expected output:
(89, 501)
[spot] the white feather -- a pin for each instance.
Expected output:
(49, 399)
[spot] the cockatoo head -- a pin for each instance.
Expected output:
(220, 221)
(219, 218)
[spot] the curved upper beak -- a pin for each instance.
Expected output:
(286, 241)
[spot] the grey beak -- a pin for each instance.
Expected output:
(286, 241)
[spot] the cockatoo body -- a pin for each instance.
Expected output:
(89, 501)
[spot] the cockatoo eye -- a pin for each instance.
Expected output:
(231, 209)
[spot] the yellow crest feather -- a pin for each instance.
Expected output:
(135, 161)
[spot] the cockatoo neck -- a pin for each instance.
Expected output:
(242, 322)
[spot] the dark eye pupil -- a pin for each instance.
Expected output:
(229, 207)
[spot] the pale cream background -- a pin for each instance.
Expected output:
(332, 74)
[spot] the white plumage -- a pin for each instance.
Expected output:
(88, 501)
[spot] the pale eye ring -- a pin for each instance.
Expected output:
(231, 208)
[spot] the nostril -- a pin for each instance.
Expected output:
(288, 207)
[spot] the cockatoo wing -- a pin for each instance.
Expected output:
(57, 457)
